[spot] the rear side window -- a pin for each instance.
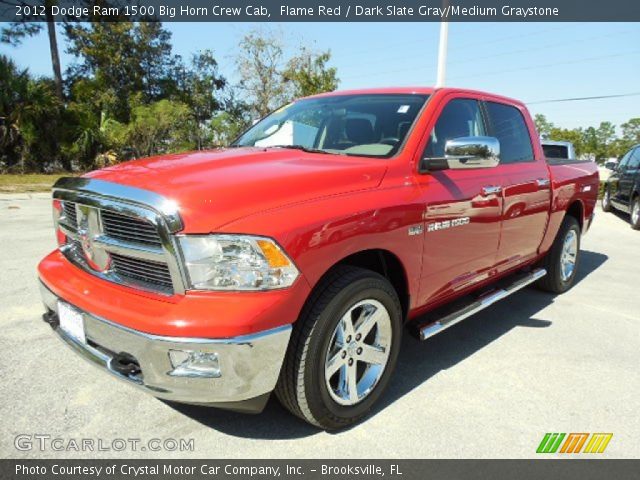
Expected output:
(509, 127)
(461, 117)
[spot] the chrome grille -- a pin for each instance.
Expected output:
(129, 229)
(146, 271)
(138, 256)
(70, 213)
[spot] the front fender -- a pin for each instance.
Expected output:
(318, 235)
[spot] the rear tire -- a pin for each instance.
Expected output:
(606, 200)
(635, 213)
(562, 260)
(318, 389)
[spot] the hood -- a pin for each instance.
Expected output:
(214, 188)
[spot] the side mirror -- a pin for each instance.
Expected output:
(610, 165)
(466, 152)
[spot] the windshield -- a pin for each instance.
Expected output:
(364, 125)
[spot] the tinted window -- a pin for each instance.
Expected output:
(635, 160)
(625, 160)
(555, 151)
(511, 130)
(459, 118)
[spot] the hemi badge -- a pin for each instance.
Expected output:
(415, 230)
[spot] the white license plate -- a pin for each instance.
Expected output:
(71, 322)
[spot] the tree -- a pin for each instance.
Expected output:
(199, 86)
(574, 136)
(13, 92)
(123, 59)
(543, 126)
(127, 95)
(631, 131)
(160, 127)
(260, 64)
(600, 141)
(29, 119)
(15, 33)
(308, 74)
(231, 120)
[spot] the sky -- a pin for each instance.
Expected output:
(533, 62)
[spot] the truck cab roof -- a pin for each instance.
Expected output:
(419, 91)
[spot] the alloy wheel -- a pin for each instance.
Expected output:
(569, 255)
(358, 352)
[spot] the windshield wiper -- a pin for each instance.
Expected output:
(301, 147)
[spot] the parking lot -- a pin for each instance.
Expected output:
(490, 387)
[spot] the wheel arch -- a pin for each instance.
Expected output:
(383, 262)
(576, 210)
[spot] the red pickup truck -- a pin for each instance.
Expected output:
(292, 260)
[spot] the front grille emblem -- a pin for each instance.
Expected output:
(89, 229)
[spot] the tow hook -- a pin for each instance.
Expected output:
(51, 318)
(125, 364)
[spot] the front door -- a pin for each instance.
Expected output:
(462, 209)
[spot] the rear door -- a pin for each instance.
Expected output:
(526, 186)
(462, 222)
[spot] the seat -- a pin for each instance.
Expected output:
(359, 131)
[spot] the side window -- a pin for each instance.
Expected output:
(625, 160)
(634, 163)
(461, 117)
(510, 129)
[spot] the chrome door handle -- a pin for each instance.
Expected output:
(491, 190)
(543, 182)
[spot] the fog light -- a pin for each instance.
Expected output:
(194, 364)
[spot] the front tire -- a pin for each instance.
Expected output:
(635, 213)
(343, 349)
(561, 262)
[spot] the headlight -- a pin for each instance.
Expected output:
(236, 262)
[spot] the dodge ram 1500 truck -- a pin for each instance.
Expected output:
(292, 261)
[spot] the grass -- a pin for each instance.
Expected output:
(11, 183)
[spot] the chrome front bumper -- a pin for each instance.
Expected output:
(249, 364)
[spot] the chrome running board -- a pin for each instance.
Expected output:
(431, 326)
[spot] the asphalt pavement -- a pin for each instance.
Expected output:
(489, 387)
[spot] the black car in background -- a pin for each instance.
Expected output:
(622, 190)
